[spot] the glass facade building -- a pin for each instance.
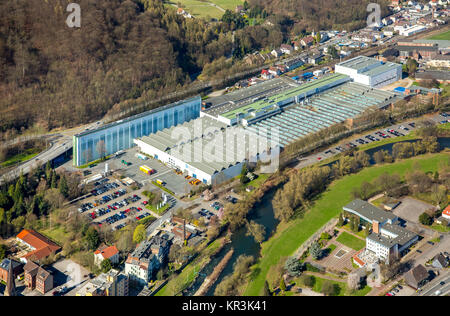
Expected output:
(119, 135)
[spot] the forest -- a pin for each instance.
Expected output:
(131, 51)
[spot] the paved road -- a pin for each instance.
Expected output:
(435, 285)
(314, 158)
(60, 143)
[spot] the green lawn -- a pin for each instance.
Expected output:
(343, 290)
(189, 273)
(258, 181)
(57, 234)
(351, 241)
(289, 238)
(202, 9)
(445, 126)
(160, 211)
(26, 155)
(441, 36)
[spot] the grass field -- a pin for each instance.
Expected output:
(342, 286)
(351, 241)
(289, 237)
(160, 211)
(26, 155)
(441, 36)
(206, 9)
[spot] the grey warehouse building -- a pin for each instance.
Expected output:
(119, 135)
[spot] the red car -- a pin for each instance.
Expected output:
(319, 158)
(139, 209)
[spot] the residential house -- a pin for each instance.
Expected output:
(105, 252)
(294, 63)
(41, 247)
(297, 45)
(417, 277)
(307, 41)
(286, 49)
(446, 213)
(265, 74)
(277, 53)
(440, 261)
(315, 58)
(274, 71)
(37, 278)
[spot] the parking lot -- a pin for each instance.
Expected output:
(394, 131)
(172, 181)
(114, 204)
(410, 209)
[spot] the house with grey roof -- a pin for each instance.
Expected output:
(417, 277)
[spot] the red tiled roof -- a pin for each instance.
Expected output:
(43, 246)
(107, 252)
(356, 258)
(446, 211)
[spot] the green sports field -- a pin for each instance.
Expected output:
(286, 241)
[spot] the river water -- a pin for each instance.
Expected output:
(242, 244)
(262, 214)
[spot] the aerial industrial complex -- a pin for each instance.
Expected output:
(370, 71)
(213, 139)
(119, 135)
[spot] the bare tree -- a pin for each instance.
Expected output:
(101, 148)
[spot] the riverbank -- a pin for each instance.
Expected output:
(209, 281)
(290, 236)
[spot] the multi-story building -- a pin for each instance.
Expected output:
(146, 259)
(119, 135)
(37, 278)
(388, 240)
(112, 283)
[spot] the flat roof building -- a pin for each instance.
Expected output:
(388, 240)
(370, 71)
(269, 105)
(205, 148)
(119, 135)
(321, 111)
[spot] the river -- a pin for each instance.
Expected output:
(262, 214)
(242, 245)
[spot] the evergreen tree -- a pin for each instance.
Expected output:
(340, 222)
(54, 181)
(315, 250)
(63, 187)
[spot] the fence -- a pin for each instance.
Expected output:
(330, 224)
